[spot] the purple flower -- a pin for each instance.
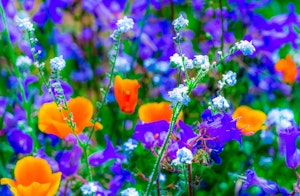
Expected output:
(151, 134)
(287, 145)
(121, 175)
(19, 141)
(69, 160)
(221, 127)
(51, 10)
(101, 157)
(267, 186)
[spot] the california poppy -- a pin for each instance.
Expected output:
(152, 112)
(126, 93)
(288, 68)
(51, 121)
(33, 177)
(249, 120)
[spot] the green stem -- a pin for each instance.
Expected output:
(25, 104)
(182, 58)
(190, 185)
(109, 85)
(87, 162)
(175, 113)
(135, 48)
(222, 25)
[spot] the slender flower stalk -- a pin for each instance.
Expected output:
(25, 103)
(175, 113)
(111, 76)
(190, 185)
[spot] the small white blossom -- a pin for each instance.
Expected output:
(229, 78)
(281, 118)
(24, 24)
(129, 192)
(176, 60)
(89, 188)
(220, 102)
(184, 156)
(23, 61)
(125, 24)
(130, 145)
(201, 61)
(122, 64)
(57, 63)
(180, 23)
(245, 47)
(179, 95)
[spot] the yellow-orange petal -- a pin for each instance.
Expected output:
(288, 68)
(51, 121)
(31, 169)
(82, 110)
(55, 181)
(34, 188)
(33, 177)
(126, 93)
(152, 112)
(12, 185)
(249, 120)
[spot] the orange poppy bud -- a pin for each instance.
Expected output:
(33, 177)
(152, 112)
(126, 93)
(249, 120)
(51, 121)
(288, 68)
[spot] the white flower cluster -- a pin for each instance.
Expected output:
(23, 61)
(130, 144)
(179, 95)
(129, 192)
(281, 118)
(89, 188)
(229, 78)
(176, 61)
(200, 61)
(220, 102)
(24, 24)
(184, 156)
(180, 23)
(122, 64)
(123, 25)
(245, 47)
(57, 63)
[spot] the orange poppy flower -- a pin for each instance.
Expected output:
(288, 68)
(33, 177)
(126, 93)
(51, 121)
(249, 120)
(152, 112)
